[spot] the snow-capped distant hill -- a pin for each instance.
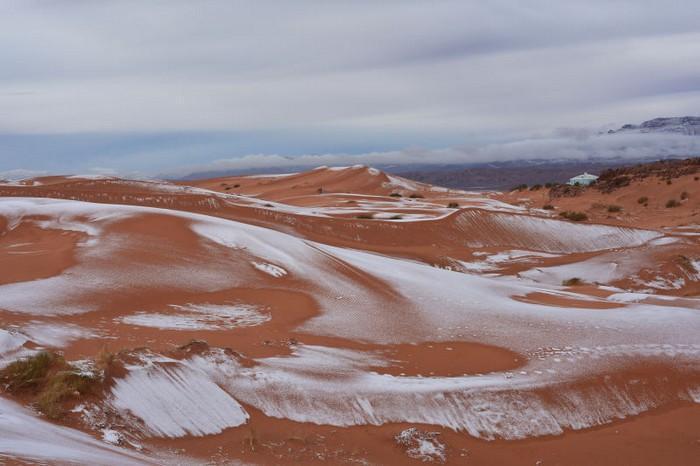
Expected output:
(687, 125)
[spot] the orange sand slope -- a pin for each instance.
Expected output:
(342, 316)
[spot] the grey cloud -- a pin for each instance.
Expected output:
(501, 69)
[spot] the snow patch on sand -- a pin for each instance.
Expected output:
(26, 436)
(176, 401)
(201, 317)
(270, 269)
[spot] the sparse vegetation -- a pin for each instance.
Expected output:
(236, 185)
(642, 200)
(416, 196)
(395, 195)
(535, 187)
(549, 185)
(672, 203)
(60, 387)
(48, 377)
(520, 187)
(684, 195)
(453, 205)
(396, 217)
(28, 373)
(575, 281)
(548, 207)
(574, 216)
(365, 216)
(669, 182)
(268, 205)
(319, 190)
(614, 208)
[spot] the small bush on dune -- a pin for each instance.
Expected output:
(575, 281)
(684, 195)
(614, 208)
(29, 373)
(416, 196)
(395, 217)
(548, 207)
(365, 216)
(453, 205)
(520, 187)
(63, 386)
(672, 203)
(48, 377)
(395, 195)
(536, 187)
(642, 200)
(574, 216)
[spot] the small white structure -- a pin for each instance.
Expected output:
(583, 180)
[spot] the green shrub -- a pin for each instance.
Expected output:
(572, 282)
(574, 216)
(28, 373)
(63, 386)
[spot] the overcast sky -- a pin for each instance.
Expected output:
(159, 86)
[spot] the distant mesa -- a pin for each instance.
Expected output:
(687, 125)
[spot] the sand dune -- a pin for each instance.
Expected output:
(241, 311)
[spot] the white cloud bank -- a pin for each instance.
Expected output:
(580, 146)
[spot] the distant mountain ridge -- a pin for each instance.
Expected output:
(688, 125)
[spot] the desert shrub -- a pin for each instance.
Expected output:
(535, 187)
(672, 203)
(48, 377)
(395, 217)
(549, 185)
(572, 282)
(696, 178)
(669, 182)
(268, 205)
(395, 194)
(520, 187)
(63, 386)
(453, 205)
(642, 200)
(614, 208)
(548, 207)
(28, 373)
(416, 196)
(574, 216)
(684, 195)
(236, 185)
(319, 190)
(365, 216)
